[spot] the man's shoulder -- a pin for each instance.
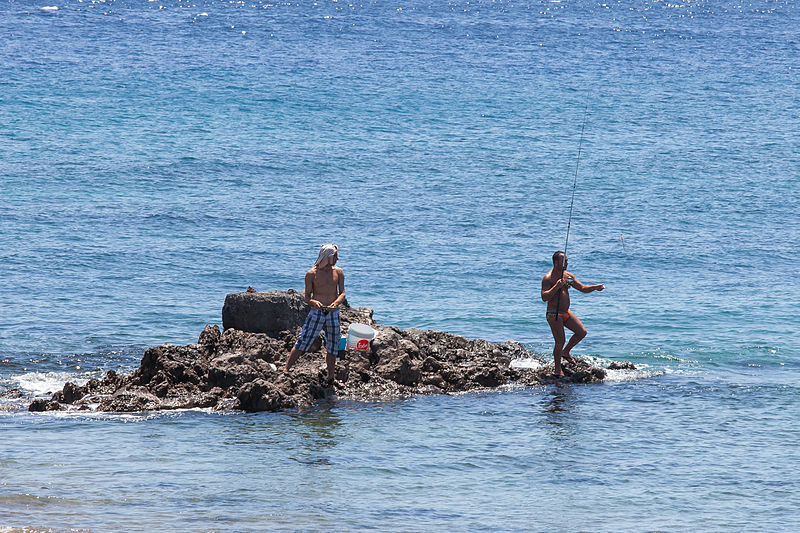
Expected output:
(311, 271)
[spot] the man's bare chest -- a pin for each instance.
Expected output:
(325, 281)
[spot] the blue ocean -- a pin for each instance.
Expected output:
(156, 156)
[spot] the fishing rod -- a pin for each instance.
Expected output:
(572, 204)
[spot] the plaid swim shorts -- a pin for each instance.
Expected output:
(315, 321)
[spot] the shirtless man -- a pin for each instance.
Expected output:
(324, 292)
(555, 291)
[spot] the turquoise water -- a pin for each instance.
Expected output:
(156, 156)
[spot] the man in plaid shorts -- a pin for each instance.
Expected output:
(324, 292)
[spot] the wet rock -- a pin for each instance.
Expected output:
(400, 369)
(70, 393)
(490, 376)
(581, 371)
(260, 395)
(622, 365)
(131, 400)
(43, 404)
(242, 368)
(11, 394)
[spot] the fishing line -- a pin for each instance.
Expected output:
(572, 203)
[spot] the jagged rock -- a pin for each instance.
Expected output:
(400, 369)
(210, 336)
(12, 394)
(580, 371)
(622, 365)
(133, 399)
(490, 376)
(43, 404)
(260, 395)
(242, 369)
(70, 393)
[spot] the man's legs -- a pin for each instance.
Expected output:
(578, 333)
(293, 355)
(330, 360)
(557, 327)
(333, 332)
(311, 328)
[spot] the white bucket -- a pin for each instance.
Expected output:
(358, 337)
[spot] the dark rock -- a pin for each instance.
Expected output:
(11, 394)
(225, 374)
(261, 396)
(43, 404)
(210, 336)
(111, 379)
(580, 371)
(264, 312)
(490, 376)
(275, 312)
(594, 375)
(130, 400)
(622, 365)
(206, 400)
(399, 369)
(71, 393)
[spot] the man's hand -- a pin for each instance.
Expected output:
(599, 287)
(315, 304)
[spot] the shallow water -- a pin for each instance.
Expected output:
(538, 459)
(156, 157)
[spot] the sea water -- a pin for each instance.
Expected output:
(156, 156)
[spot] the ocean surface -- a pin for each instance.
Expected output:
(156, 156)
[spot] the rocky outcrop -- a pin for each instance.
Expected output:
(242, 366)
(264, 312)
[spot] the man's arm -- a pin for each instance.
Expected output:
(309, 292)
(549, 294)
(586, 288)
(340, 286)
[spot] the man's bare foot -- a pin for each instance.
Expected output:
(568, 358)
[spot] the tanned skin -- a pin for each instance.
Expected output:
(555, 291)
(324, 290)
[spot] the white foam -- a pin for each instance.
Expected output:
(619, 376)
(530, 363)
(596, 361)
(140, 416)
(49, 8)
(40, 383)
(612, 376)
